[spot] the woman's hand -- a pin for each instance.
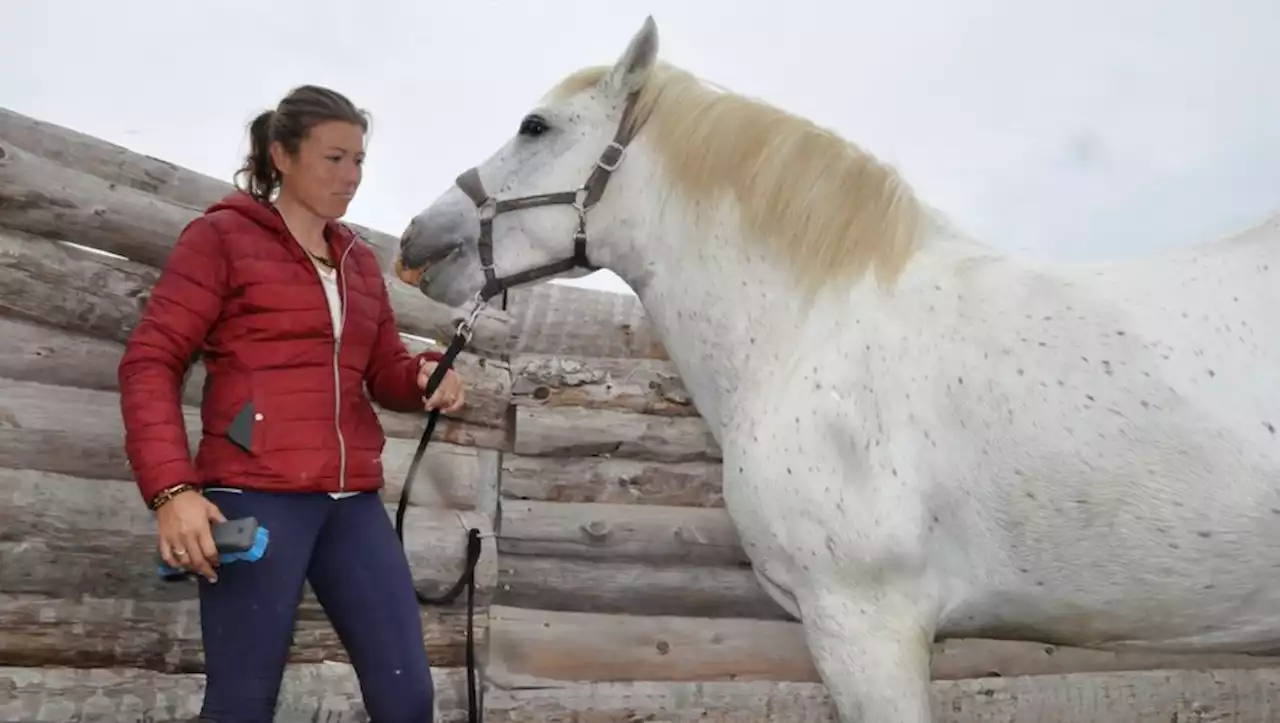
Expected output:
(186, 537)
(450, 396)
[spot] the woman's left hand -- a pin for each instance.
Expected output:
(450, 396)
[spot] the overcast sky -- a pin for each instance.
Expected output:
(1074, 129)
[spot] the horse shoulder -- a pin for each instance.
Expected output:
(810, 478)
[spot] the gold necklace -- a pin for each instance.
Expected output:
(320, 259)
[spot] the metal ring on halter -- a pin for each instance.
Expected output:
(466, 326)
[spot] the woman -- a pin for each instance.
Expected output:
(291, 315)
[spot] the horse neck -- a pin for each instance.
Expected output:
(712, 319)
(728, 313)
(724, 311)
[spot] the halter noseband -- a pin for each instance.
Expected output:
(582, 199)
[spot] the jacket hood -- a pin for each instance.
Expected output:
(265, 215)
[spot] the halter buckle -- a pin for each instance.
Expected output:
(620, 149)
(488, 209)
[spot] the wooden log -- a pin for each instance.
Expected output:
(570, 432)
(68, 288)
(537, 647)
(79, 433)
(615, 481)
(617, 532)
(119, 165)
(36, 419)
(450, 476)
(488, 387)
(43, 199)
(330, 692)
(110, 162)
(104, 530)
(541, 647)
(1157, 696)
(38, 353)
(645, 386)
(77, 561)
(45, 630)
(69, 431)
(317, 692)
(712, 591)
(570, 321)
(32, 352)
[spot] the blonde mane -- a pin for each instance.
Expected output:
(828, 209)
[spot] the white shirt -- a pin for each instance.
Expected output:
(329, 280)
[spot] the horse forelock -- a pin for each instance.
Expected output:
(823, 206)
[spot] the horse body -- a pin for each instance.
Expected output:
(1085, 458)
(921, 437)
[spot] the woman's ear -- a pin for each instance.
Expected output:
(279, 158)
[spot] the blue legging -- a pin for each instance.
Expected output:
(347, 549)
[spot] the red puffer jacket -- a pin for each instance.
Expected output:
(284, 403)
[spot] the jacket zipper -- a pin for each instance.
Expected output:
(337, 376)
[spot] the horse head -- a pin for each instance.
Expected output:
(537, 207)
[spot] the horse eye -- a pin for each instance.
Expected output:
(533, 126)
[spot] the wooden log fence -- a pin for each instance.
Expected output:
(329, 692)
(612, 585)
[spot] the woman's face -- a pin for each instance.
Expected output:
(324, 175)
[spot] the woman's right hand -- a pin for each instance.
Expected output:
(185, 534)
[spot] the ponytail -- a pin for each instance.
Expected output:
(258, 176)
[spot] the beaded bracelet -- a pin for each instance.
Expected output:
(169, 493)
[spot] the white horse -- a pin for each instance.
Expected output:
(922, 438)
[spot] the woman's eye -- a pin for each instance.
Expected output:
(533, 126)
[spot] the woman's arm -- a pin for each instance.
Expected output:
(392, 374)
(185, 302)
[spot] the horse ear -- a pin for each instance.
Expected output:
(637, 60)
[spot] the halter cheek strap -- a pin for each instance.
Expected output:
(582, 199)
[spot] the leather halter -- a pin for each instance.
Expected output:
(582, 199)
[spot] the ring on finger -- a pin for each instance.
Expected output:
(180, 553)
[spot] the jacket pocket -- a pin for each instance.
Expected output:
(242, 414)
(242, 426)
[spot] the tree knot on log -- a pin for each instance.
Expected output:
(557, 372)
(596, 530)
(689, 536)
(31, 200)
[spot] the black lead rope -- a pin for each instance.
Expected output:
(468, 578)
(582, 199)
